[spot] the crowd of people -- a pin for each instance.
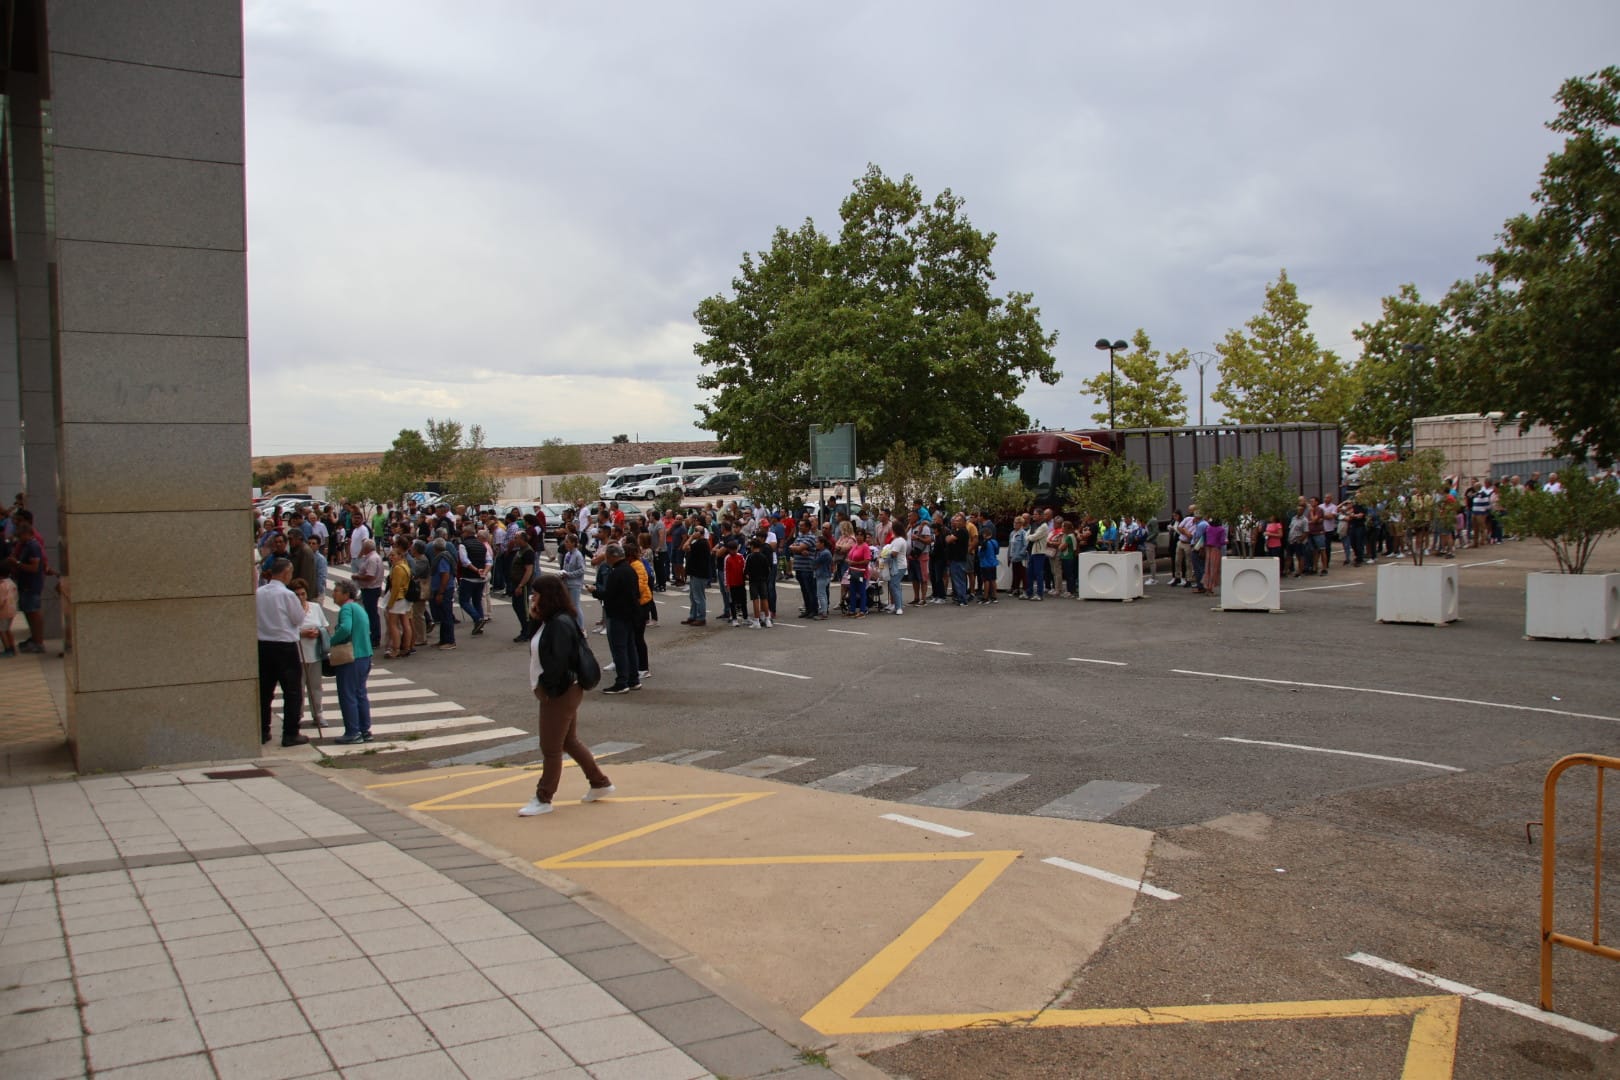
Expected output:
(416, 574)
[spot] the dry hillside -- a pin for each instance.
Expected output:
(509, 460)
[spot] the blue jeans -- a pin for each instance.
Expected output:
(823, 593)
(621, 635)
(959, 581)
(856, 593)
(897, 582)
(472, 599)
(698, 588)
(1035, 583)
(444, 613)
(353, 700)
(368, 600)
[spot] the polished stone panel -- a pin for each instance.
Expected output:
(133, 468)
(145, 643)
(197, 35)
(172, 202)
(130, 289)
(102, 543)
(152, 379)
(130, 108)
(129, 729)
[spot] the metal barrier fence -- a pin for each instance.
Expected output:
(1549, 855)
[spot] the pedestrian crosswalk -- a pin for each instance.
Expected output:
(1093, 800)
(401, 712)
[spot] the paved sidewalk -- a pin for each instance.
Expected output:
(236, 924)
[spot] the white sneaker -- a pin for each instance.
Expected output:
(1151, 581)
(754, 623)
(899, 611)
(598, 793)
(767, 622)
(646, 674)
(534, 808)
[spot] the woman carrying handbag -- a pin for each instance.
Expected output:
(561, 669)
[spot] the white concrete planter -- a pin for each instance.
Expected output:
(1251, 585)
(1575, 607)
(1110, 575)
(1417, 594)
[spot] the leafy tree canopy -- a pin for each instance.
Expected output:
(442, 451)
(1539, 333)
(556, 456)
(908, 476)
(1410, 490)
(1262, 486)
(572, 488)
(1115, 490)
(892, 327)
(996, 496)
(1145, 389)
(1401, 373)
(1570, 522)
(1276, 372)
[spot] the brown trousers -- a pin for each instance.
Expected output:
(559, 717)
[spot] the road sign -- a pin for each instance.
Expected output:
(832, 453)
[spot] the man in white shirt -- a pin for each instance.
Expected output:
(280, 614)
(357, 539)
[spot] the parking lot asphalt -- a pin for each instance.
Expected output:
(1321, 785)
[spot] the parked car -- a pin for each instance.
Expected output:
(1371, 454)
(658, 485)
(715, 483)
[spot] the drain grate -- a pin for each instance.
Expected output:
(238, 774)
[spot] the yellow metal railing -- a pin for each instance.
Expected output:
(1549, 856)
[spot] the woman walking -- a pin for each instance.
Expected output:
(553, 678)
(354, 629)
(309, 635)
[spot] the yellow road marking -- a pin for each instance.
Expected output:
(429, 779)
(1431, 1046)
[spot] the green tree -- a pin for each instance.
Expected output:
(1539, 334)
(572, 488)
(1570, 522)
(999, 497)
(620, 440)
(1410, 491)
(285, 470)
(774, 488)
(1146, 391)
(906, 477)
(469, 476)
(1402, 371)
(892, 327)
(362, 486)
(556, 456)
(1262, 485)
(1277, 373)
(1114, 490)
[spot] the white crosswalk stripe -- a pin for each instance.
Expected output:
(860, 778)
(383, 746)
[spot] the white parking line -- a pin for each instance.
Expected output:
(920, 641)
(1114, 879)
(1008, 652)
(854, 633)
(768, 671)
(1345, 753)
(918, 823)
(1492, 562)
(1399, 693)
(1087, 660)
(1517, 1008)
(1319, 588)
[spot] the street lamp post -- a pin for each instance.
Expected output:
(1413, 352)
(1112, 347)
(1202, 360)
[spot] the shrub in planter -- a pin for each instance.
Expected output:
(1571, 603)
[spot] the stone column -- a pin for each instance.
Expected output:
(151, 287)
(11, 468)
(33, 246)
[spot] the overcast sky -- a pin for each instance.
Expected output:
(505, 211)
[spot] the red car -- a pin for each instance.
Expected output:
(1367, 457)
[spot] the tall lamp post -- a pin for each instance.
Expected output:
(1202, 360)
(1413, 352)
(1112, 347)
